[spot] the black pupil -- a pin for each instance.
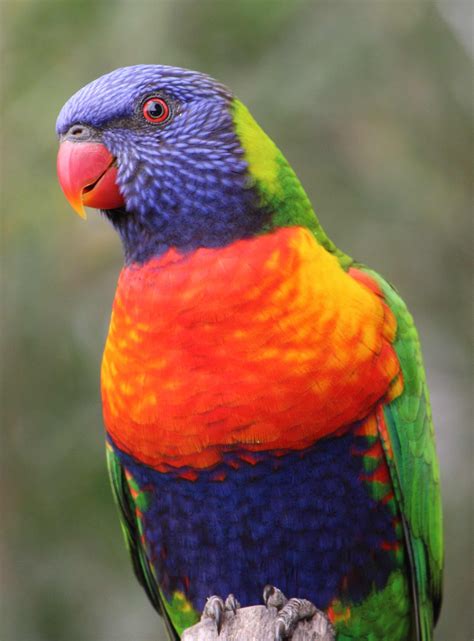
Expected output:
(155, 109)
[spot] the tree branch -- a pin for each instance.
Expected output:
(257, 623)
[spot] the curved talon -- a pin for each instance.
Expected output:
(280, 631)
(214, 609)
(274, 597)
(294, 611)
(231, 603)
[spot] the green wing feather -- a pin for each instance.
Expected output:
(131, 531)
(413, 464)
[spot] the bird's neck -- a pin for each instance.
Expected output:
(217, 207)
(277, 184)
(186, 217)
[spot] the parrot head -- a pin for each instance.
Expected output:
(167, 154)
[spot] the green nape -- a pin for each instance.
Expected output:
(385, 614)
(277, 183)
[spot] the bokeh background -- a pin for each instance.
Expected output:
(371, 100)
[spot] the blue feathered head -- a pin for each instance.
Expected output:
(181, 175)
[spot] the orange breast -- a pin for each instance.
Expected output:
(263, 345)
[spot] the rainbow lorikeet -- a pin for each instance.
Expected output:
(264, 396)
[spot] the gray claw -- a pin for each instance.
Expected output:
(280, 631)
(294, 611)
(214, 609)
(274, 597)
(231, 604)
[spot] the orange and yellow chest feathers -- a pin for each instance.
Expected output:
(267, 344)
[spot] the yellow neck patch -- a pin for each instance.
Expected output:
(261, 152)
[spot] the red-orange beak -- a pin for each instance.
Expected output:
(87, 175)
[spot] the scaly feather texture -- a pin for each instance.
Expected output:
(264, 395)
(234, 351)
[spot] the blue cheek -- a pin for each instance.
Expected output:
(185, 203)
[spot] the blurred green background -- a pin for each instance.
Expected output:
(371, 101)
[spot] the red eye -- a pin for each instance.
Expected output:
(156, 110)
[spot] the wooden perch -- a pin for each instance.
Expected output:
(257, 623)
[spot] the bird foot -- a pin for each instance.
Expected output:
(290, 612)
(215, 608)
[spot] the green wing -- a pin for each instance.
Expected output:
(413, 463)
(131, 531)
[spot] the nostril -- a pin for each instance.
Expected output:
(79, 132)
